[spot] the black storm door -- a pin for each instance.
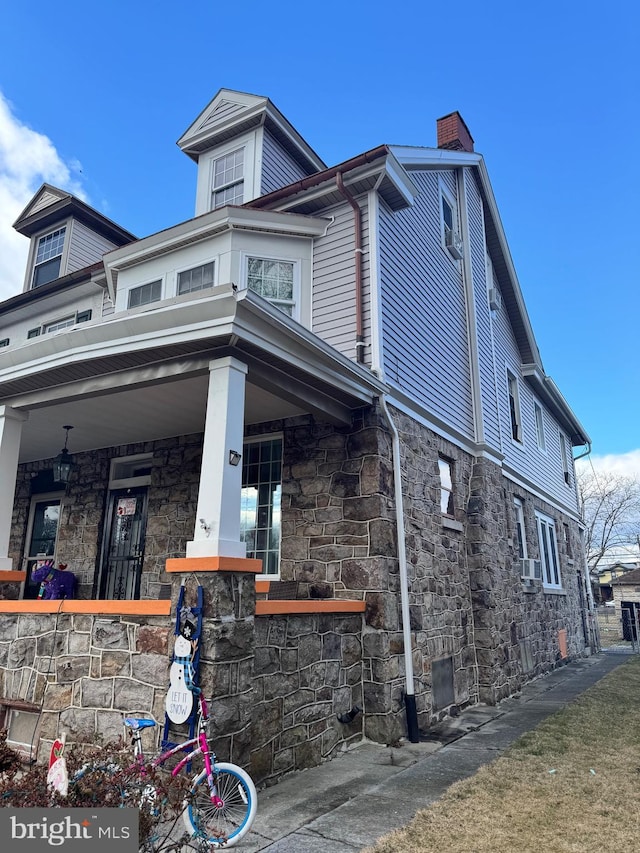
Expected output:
(123, 550)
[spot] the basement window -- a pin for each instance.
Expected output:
(20, 719)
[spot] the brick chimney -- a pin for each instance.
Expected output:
(453, 133)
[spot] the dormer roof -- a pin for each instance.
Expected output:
(51, 205)
(232, 113)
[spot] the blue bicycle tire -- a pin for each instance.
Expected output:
(225, 826)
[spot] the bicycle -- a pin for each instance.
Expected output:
(222, 800)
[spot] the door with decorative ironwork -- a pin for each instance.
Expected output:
(123, 550)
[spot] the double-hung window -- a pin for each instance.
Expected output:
(445, 469)
(540, 437)
(548, 551)
(521, 535)
(514, 407)
(48, 257)
(260, 513)
(274, 280)
(564, 457)
(228, 179)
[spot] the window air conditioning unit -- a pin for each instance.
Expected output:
(495, 299)
(530, 569)
(453, 244)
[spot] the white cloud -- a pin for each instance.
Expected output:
(27, 159)
(627, 464)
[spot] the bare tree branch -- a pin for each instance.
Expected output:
(610, 508)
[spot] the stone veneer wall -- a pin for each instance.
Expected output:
(439, 589)
(84, 671)
(308, 670)
(339, 540)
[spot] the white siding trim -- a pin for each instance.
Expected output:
(472, 325)
(535, 490)
(375, 298)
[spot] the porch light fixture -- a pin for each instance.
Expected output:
(63, 463)
(234, 457)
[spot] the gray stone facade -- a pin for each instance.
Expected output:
(279, 683)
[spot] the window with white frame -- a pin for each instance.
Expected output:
(261, 501)
(514, 407)
(445, 469)
(228, 179)
(548, 551)
(521, 534)
(540, 436)
(196, 278)
(46, 266)
(145, 294)
(62, 323)
(564, 457)
(274, 280)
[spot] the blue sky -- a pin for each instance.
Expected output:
(93, 98)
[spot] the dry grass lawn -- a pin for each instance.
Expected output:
(572, 784)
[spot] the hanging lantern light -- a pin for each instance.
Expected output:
(63, 463)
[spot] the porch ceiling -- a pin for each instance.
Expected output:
(132, 415)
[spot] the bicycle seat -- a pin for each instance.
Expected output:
(138, 722)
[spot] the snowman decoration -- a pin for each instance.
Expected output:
(179, 701)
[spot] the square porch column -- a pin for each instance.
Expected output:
(217, 526)
(10, 431)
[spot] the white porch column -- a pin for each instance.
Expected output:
(217, 527)
(10, 431)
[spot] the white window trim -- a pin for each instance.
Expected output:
(519, 441)
(216, 266)
(544, 525)
(33, 251)
(541, 433)
(297, 275)
(443, 488)
(204, 193)
(445, 194)
(147, 305)
(520, 523)
(259, 439)
(564, 457)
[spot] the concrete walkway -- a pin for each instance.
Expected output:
(350, 802)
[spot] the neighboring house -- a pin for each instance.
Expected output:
(606, 576)
(327, 378)
(626, 598)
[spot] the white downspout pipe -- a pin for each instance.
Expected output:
(409, 693)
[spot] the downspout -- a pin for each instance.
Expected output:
(409, 693)
(357, 227)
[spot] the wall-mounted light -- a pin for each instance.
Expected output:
(234, 457)
(63, 463)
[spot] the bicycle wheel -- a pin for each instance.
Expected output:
(226, 824)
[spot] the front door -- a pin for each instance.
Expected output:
(44, 520)
(123, 550)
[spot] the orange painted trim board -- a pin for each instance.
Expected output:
(262, 586)
(13, 576)
(214, 564)
(115, 608)
(281, 607)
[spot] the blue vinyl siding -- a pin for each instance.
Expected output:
(483, 314)
(424, 324)
(333, 308)
(278, 167)
(541, 467)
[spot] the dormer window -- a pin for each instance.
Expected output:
(228, 179)
(48, 258)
